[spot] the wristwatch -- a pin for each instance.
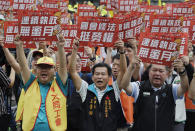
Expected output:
(182, 72)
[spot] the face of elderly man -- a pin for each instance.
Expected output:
(157, 75)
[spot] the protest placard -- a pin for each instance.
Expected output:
(38, 26)
(162, 48)
(97, 31)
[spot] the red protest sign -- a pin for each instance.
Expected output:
(50, 5)
(151, 9)
(97, 31)
(166, 24)
(162, 48)
(63, 5)
(130, 25)
(107, 4)
(10, 31)
(192, 32)
(38, 26)
(185, 9)
(65, 19)
(87, 10)
(69, 32)
(127, 5)
(5, 5)
(186, 24)
(24, 5)
(55, 5)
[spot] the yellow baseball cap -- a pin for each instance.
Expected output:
(45, 60)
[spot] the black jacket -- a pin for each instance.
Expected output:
(154, 110)
(105, 116)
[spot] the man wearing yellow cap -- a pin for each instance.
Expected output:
(45, 98)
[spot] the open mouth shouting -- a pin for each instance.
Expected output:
(44, 75)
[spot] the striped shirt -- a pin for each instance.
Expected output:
(4, 83)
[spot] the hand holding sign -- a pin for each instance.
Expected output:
(17, 40)
(75, 45)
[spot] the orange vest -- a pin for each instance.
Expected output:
(127, 104)
(189, 105)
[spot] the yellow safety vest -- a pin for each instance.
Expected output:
(55, 107)
(20, 106)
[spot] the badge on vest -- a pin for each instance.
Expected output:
(177, 82)
(107, 105)
(164, 94)
(146, 93)
(92, 105)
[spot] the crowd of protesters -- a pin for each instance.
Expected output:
(42, 89)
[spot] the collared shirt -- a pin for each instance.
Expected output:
(4, 83)
(135, 90)
(99, 93)
(180, 110)
(42, 122)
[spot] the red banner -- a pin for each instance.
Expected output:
(130, 26)
(162, 48)
(127, 5)
(24, 5)
(151, 9)
(38, 26)
(97, 31)
(69, 32)
(166, 24)
(192, 32)
(181, 9)
(63, 5)
(107, 4)
(55, 5)
(65, 19)
(87, 10)
(5, 5)
(188, 26)
(10, 31)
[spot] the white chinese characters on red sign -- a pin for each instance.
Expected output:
(65, 19)
(107, 3)
(162, 49)
(130, 26)
(5, 5)
(180, 9)
(127, 5)
(192, 32)
(10, 31)
(97, 31)
(87, 10)
(56, 5)
(23, 4)
(38, 26)
(69, 32)
(165, 24)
